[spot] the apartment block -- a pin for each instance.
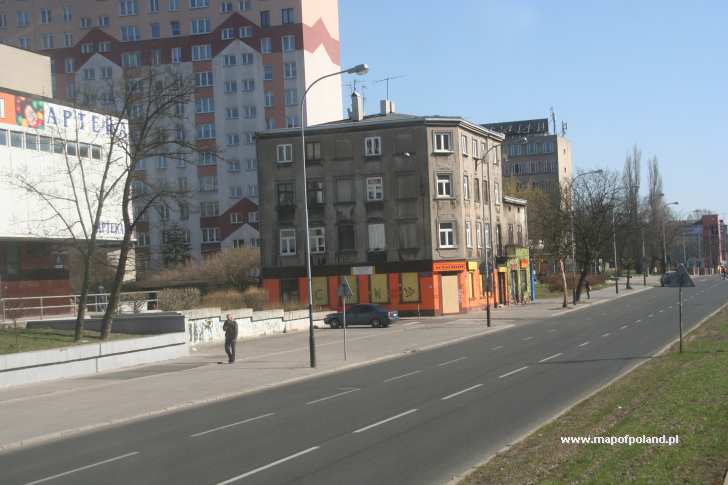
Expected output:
(251, 60)
(402, 206)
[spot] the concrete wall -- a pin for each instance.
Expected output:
(30, 367)
(137, 324)
(205, 324)
(30, 72)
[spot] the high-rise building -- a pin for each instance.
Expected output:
(251, 60)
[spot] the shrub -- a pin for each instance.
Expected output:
(232, 267)
(255, 298)
(553, 281)
(225, 299)
(178, 299)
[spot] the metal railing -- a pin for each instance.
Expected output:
(42, 307)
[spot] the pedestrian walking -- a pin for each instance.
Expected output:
(230, 327)
(588, 290)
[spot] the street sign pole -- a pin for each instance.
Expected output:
(680, 311)
(343, 304)
(344, 292)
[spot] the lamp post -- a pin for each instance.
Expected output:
(359, 69)
(573, 238)
(664, 239)
(489, 241)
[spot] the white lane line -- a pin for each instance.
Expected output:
(104, 462)
(552, 330)
(497, 348)
(332, 396)
(527, 338)
(661, 311)
(513, 372)
(607, 334)
(378, 423)
(402, 376)
(461, 392)
(219, 428)
(670, 307)
(552, 357)
(583, 344)
(451, 361)
(269, 465)
(623, 327)
(410, 324)
(650, 315)
(638, 321)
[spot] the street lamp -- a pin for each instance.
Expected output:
(664, 239)
(359, 69)
(573, 238)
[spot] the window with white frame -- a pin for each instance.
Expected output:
(253, 217)
(67, 14)
(89, 74)
(206, 158)
(372, 146)
(127, 7)
(88, 47)
(210, 234)
(232, 113)
(45, 16)
(266, 46)
(446, 232)
(202, 52)
(289, 70)
(250, 112)
(142, 239)
(466, 187)
(375, 188)
(247, 59)
(233, 165)
(464, 144)
(226, 7)
(153, 6)
(377, 237)
(287, 16)
(444, 185)
(468, 235)
(176, 56)
(474, 148)
(68, 39)
(205, 131)
(229, 60)
(131, 59)
(236, 218)
(287, 241)
(267, 72)
(233, 139)
(200, 26)
(284, 153)
(479, 235)
(199, 3)
(249, 138)
(129, 33)
(288, 43)
(496, 193)
(292, 121)
(248, 85)
(231, 86)
(443, 142)
(175, 28)
(318, 240)
(268, 99)
(47, 41)
(104, 21)
(245, 32)
(205, 105)
(291, 97)
(208, 183)
(252, 164)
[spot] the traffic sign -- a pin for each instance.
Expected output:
(344, 290)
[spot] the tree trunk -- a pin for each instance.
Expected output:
(83, 297)
(563, 283)
(115, 290)
(582, 278)
(629, 275)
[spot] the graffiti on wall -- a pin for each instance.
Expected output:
(410, 287)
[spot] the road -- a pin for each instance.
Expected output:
(418, 419)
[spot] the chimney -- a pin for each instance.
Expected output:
(357, 107)
(386, 106)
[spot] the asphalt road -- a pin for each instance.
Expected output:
(418, 419)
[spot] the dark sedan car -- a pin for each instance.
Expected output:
(373, 315)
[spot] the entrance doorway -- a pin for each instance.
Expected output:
(501, 288)
(450, 294)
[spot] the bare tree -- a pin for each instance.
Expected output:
(631, 228)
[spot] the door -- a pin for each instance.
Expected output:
(450, 294)
(501, 288)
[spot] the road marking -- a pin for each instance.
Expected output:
(527, 338)
(607, 334)
(332, 396)
(461, 392)
(219, 428)
(402, 376)
(661, 311)
(650, 315)
(552, 357)
(513, 372)
(638, 321)
(378, 423)
(669, 307)
(451, 361)
(497, 348)
(583, 344)
(410, 324)
(552, 330)
(269, 465)
(93, 465)
(623, 327)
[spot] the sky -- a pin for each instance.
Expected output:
(648, 72)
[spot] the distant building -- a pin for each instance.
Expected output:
(700, 245)
(400, 205)
(517, 261)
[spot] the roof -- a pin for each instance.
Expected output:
(514, 200)
(383, 120)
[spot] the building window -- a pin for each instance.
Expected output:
(476, 191)
(447, 234)
(496, 193)
(268, 99)
(313, 150)
(236, 218)
(248, 85)
(288, 43)
(204, 105)
(515, 150)
(142, 239)
(203, 79)
(129, 33)
(232, 113)
(444, 185)
(24, 42)
(375, 188)
(131, 59)
(266, 46)
(208, 183)
(265, 18)
(233, 165)
(291, 97)
(153, 6)
(347, 241)
(468, 235)
(487, 236)
(199, 3)
(286, 194)
(45, 16)
(175, 28)
(531, 149)
(245, 32)
(377, 237)
(250, 112)
(210, 234)
(315, 192)
(229, 60)
(443, 142)
(466, 187)
(246, 59)
(231, 87)
(478, 235)
(200, 26)
(67, 15)
(252, 164)
(104, 21)
(176, 56)
(68, 40)
(127, 7)
(209, 209)
(372, 146)
(233, 139)
(226, 7)
(464, 144)
(89, 74)
(287, 238)
(284, 153)
(287, 16)
(47, 41)
(205, 131)
(289, 70)
(267, 72)
(486, 192)
(201, 52)
(318, 240)
(292, 121)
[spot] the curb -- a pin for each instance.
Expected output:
(457, 478)
(590, 305)
(37, 440)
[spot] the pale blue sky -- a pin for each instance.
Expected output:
(651, 72)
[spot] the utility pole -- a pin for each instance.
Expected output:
(616, 265)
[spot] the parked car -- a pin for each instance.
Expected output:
(374, 315)
(669, 279)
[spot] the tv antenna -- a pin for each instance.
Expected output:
(387, 79)
(564, 127)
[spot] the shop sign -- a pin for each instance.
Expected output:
(447, 266)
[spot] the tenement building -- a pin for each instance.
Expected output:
(404, 207)
(251, 61)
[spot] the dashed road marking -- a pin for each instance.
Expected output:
(551, 357)
(269, 465)
(449, 396)
(402, 376)
(378, 423)
(513, 372)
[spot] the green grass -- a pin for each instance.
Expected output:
(26, 340)
(674, 394)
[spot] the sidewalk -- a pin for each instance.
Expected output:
(29, 414)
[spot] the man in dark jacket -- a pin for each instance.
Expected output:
(231, 335)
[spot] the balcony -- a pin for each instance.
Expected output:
(377, 256)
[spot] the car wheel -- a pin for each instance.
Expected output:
(335, 323)
(376, 323)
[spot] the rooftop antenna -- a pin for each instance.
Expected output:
(553, 119)
(387, 79)
(564, 127)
